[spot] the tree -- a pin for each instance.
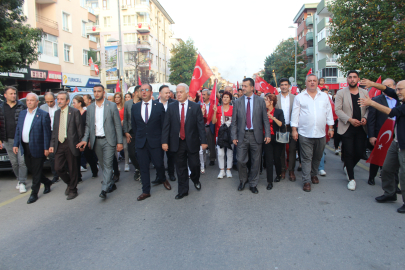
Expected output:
(18, 42)
(369, 36)
(182, 62)
(282, 61)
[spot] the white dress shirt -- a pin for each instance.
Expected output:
(143, 109)
(27, 125)
(285, 106)
(310, 115)
(251, 109)
(164, 105)
(51, 111)
(185, 110)
(99, 120)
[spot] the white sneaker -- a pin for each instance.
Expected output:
(126, 167)
(18, 185)
(83, 169)
(119, 168)
(337, 152)
(347, 176)
(228, 174)
(322, 173)
(130, 162)
(221, 174)
(22, 188)
(351, 185)
(202, 170)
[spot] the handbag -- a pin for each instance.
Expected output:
(224, 135)
(283, 137)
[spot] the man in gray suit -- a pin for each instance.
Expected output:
(51, 107)
(285, 102)
(248, 119)
(103, 129)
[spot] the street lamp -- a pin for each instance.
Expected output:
(295, 41)
(121, 64)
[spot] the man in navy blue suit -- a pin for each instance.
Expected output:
(147, 119)
(32, 137)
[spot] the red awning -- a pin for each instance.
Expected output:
(333, 86)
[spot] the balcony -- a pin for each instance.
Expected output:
(91, 17)
(143, 45)
(322, 24)
(47, 25)
(142, 6)
(323, 46)
(322, 8)
(46, 1)
(144, 64)
(309, 21)
(92, 29)
(92, 45)
(309, 36)
(143, 27)
(310, 51)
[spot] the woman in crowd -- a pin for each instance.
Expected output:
(272, 150)
(218, 120)
(128, 96)
(119, 100)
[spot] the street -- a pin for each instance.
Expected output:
(215, 228)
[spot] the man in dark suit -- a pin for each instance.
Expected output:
(147, 121)
(248, 120)
(32, 137)
(183, 134)
(375, 121)
(67, 133)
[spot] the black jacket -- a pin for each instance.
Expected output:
(375, 118)
(3, 132)
(279, 115)
(399, 113)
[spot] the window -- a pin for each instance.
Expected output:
(129, 20)
(68, 53)
(85, 57)
(127, 3)
(106, 37)
(330, 74)
(130, 38)
(49, 45)
(66, 21)
(83, 29)
(83, 3)
(106, 4)
(107, 21)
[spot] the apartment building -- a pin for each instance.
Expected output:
(146, 37)
(63, 62)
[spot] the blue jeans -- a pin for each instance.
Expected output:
(322, 164)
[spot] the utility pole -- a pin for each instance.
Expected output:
(120, 58)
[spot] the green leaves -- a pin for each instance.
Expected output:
(182, 62)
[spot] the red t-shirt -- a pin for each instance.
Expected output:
(228, 118)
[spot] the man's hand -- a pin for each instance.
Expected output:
(355, 122)
(15, 150)
(267, 140)
(366, 83)
(120, 146)
(295, 134)
(82, 144)
(235, 142)
(51, 149)
(203, 109)
(204, 146)
(129, 137)
(215, 108)
(363, 121)
(330, 133)
(46, 153)
(373, 140)
(165, 147)
(364, 102)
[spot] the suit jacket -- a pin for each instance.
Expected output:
(151, 131)
(278, 105)
(40, 133)
(279, 115)
(126, 124)
(45, 107)
(112, 124)
(376, 118)
(344, 108)
(194, 127)
(259, 119)
(74, 130)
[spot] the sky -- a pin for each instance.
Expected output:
(235, 36)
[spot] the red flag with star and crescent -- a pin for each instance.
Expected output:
(213, 101)
(309, 71)
(264, 87)
(234, 89)
(374, 91)
(385, 137)
(201, 74)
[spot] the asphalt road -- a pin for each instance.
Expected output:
(215, 228)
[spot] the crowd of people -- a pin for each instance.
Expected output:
(247, 131)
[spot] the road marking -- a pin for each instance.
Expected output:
(14, 199)
(358, 164)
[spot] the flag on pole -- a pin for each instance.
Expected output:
(294, 90)
(213, 101)
(201, 74)
(124, 87)
(234, 88)
(374, 91)
(309, 71)
(96, 69)
(117, 87)
(382, 144)
(139, 81)
(264, 87)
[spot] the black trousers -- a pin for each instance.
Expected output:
(145, 156)
(337, 138)
(91, 158)
(182, 158)
(116, 171)
(69, 173)
(35, 165)
(272, 153)
(132, 152)
(354, 144)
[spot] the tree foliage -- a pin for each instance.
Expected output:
(369, 35)
(18, 42)
(182, 62)
(282, 61)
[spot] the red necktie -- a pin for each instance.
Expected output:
(248, 119)
(182, 131)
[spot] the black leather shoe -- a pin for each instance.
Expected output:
(398, 191)
(181, 196)
(33, 198)
(112, 188)
(299, 168)
(198, 185)
(116, 178)
(55, 179)
(371, 182)
(235, 167)
(401, 209)
(137, 175)
(156, 181)
(103, 194)
(47, 188)
(95, 175)
(384, 198)
(242, 186)
(172, 178)
(254, 190)
(269, 186)
(277, 179)
(212, 163)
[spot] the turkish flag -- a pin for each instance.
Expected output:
(374, 91)
(76, 90)
(382, 144)
(93, 28)
(234, 89)
(213, 101)
(117, 87)
(96, 69)
(294, 90)
(309, 71)
(139, 81)
(264, 87)
(91, 61)
(201, 74)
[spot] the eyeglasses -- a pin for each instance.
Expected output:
(399, 89)
(143, 90)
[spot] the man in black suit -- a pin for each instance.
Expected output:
(67, 133)
(375, 121)
(147, 119)
(183, 134)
